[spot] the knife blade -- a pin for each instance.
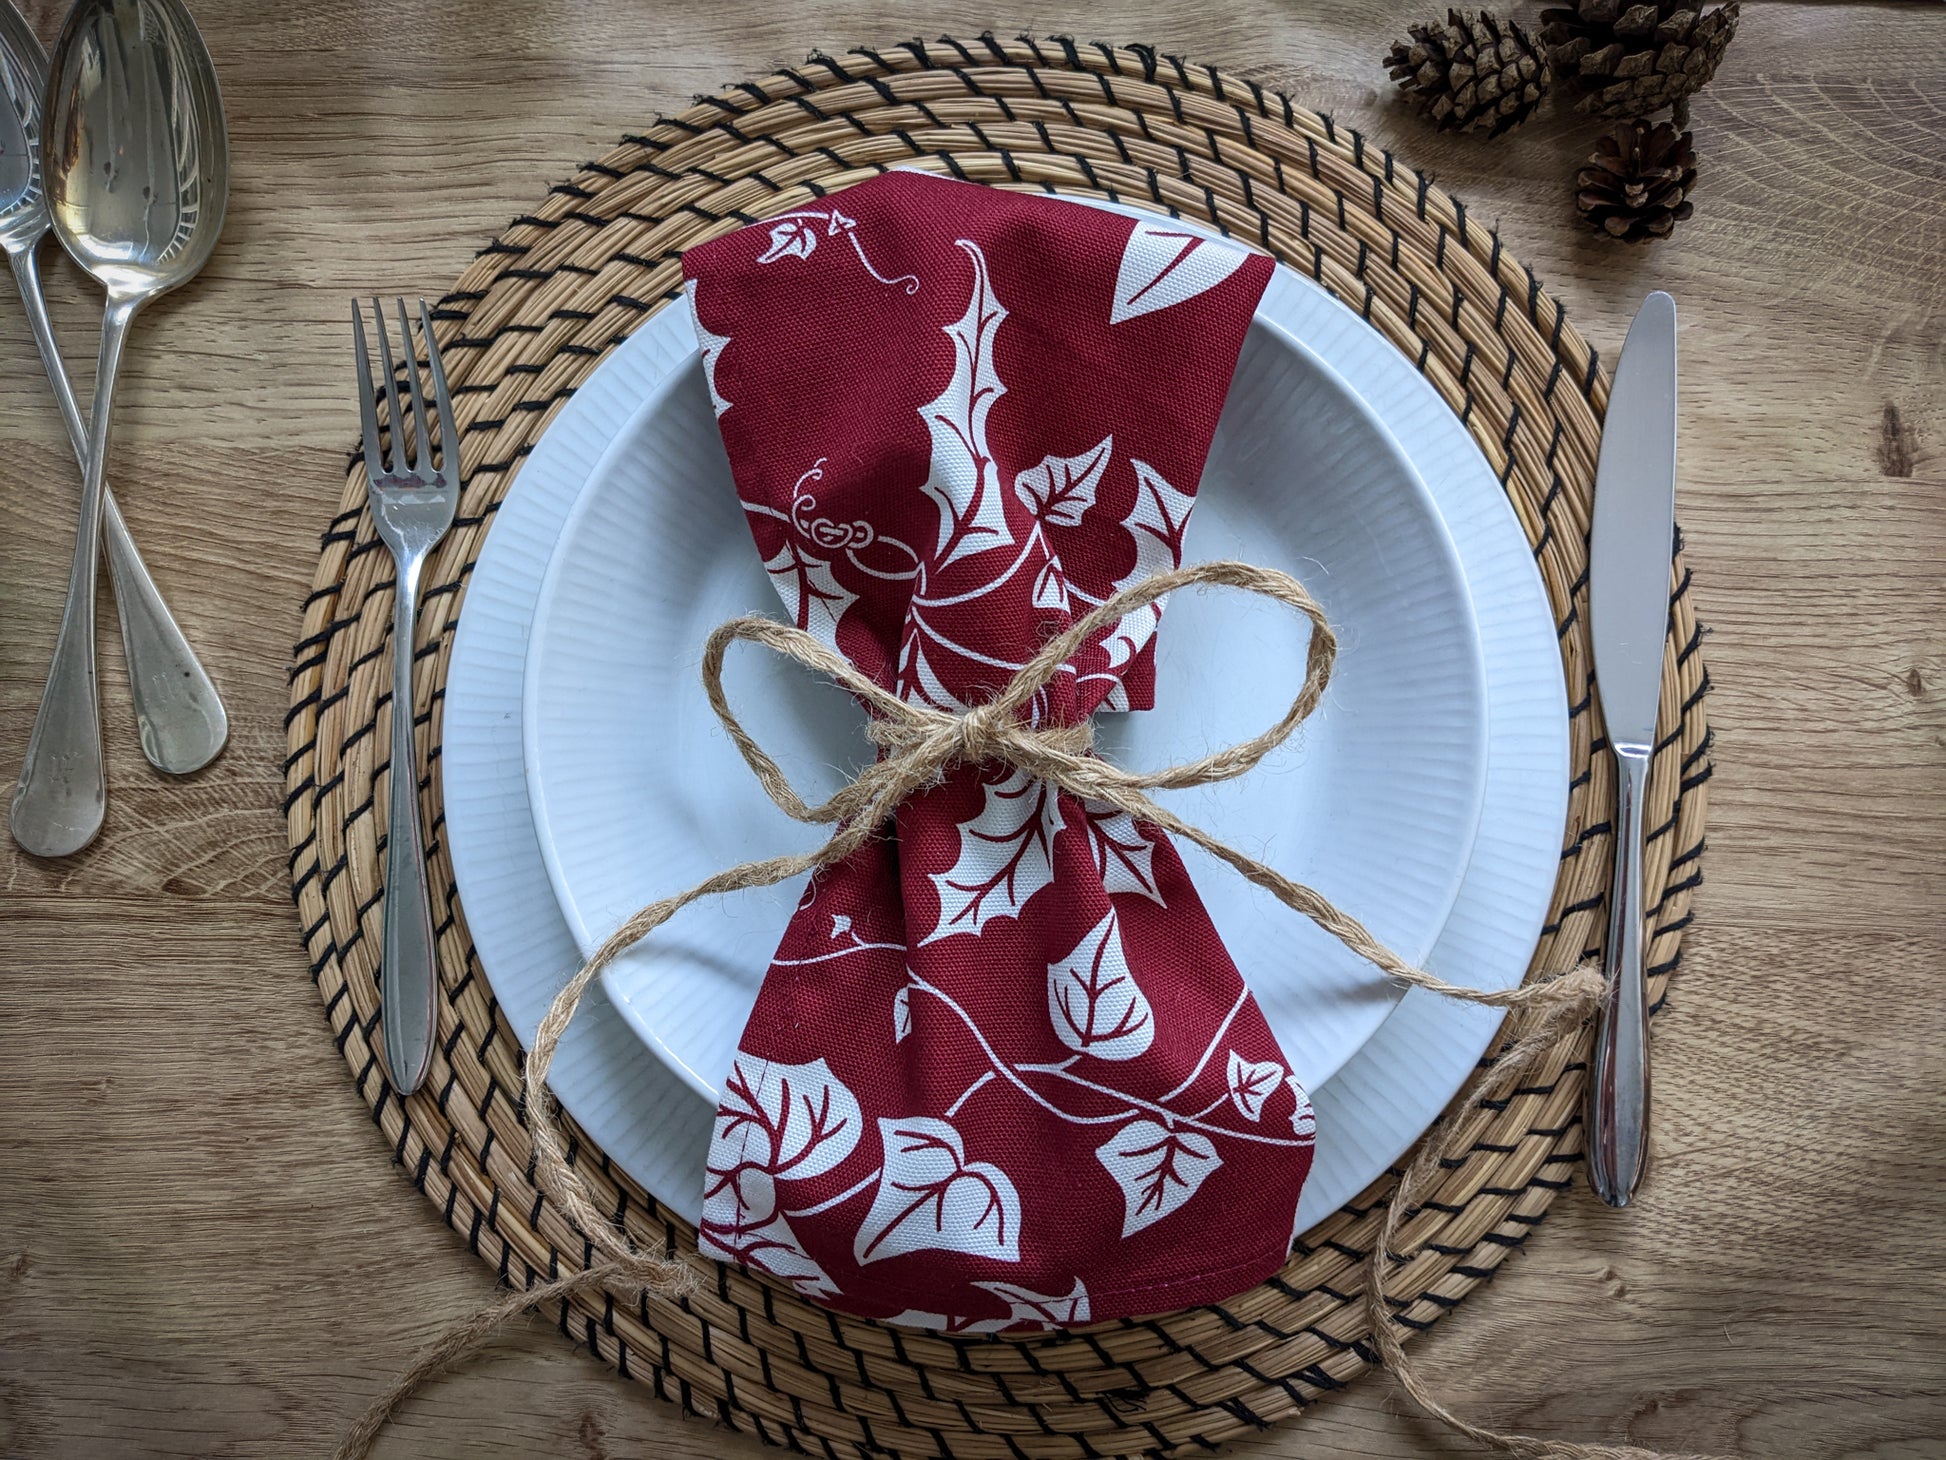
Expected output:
(1628, 602)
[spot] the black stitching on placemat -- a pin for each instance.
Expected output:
(763, 98)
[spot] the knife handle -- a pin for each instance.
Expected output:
(1618, 1089)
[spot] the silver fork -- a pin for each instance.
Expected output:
(412, 505)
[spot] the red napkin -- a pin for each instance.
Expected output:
(1002, 1071)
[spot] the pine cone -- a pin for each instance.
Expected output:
(1629, 58)
(1636, 186)
(1471, 75)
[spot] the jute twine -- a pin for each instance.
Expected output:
(918, 745)
(523, 328)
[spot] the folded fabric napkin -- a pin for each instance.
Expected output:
(1002, 1071)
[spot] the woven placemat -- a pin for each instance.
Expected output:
(529, 320)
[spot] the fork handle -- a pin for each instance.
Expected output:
(1618, 1089)
(178, 713)
(408, 969)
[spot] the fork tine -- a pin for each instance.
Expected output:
(424, 462)
(367, 400)
(443, 399)
(399, 467)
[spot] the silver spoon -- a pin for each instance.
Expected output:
(137, 172)
(178, 713)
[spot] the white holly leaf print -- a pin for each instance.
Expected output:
(964, 481)
(930, 1197)
(741, 1223)
(902, 1014)
(813, 598)
(1028, 1306)
(1165, 263)
(1304, 1120)
(1124, 857)
(1006, 855)
(792, 237)
(1093, 1000)
(1251, 1082)
(711, 345)
(789, 1121)
(1061, 488)
(1157, 1169)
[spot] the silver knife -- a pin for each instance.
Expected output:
(1628, 597)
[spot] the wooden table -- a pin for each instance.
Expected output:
(204, 1249)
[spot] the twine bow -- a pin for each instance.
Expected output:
(918, 744)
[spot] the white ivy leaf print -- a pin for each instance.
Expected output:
(1136, 628)
(711, 344)
(775, 1121)
(1304, 1120)
(792, 236)
(741, 1223)
(964, 481)
(918, 680)
(1251, 1082)
(1156, 522)
(930, 1197)
(902, 1013)
(1051, 586)
(1027, 1306)
(813, 598)
(795, 236)
(1123, 856)
(1164, 264)
(1093, 1000)
(912, 1318)
(840, 924)
(1006, 855)
(1061, 488)
(1157, 1169)
(789, 1121)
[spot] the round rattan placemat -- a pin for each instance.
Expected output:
(534, 315)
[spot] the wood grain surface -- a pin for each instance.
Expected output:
(204, 1249)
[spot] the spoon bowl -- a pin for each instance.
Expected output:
(23, 77)
(138, 164)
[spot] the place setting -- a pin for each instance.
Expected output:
(1052, 761)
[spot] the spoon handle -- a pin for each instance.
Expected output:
(63, 790)
(177, 710)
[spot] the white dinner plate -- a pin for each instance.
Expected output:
(638, 792)
(655, 1127)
